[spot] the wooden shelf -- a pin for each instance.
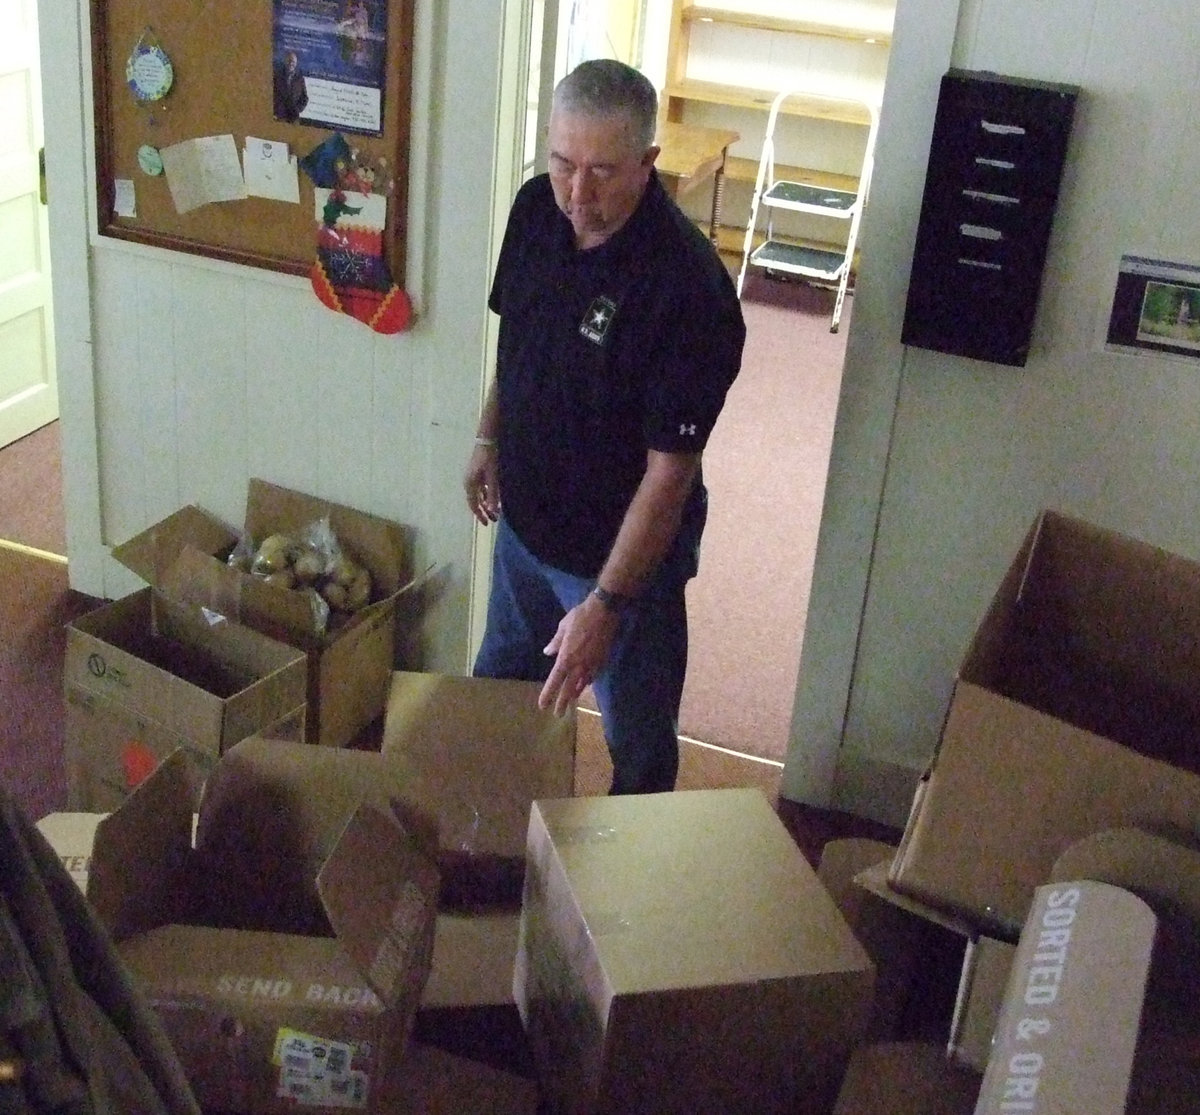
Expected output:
(737, 96)
(880, 34)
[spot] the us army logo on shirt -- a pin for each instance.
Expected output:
(598, 318)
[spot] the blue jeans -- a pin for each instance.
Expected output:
(639, 689)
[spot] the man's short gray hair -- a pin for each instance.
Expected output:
(605, 87)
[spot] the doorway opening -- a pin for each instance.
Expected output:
(766, 463)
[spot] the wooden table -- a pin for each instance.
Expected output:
(691, 155)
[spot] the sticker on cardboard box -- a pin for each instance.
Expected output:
(317, 1072)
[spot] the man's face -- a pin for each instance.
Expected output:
(598, 173)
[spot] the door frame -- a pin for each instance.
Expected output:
(817, 770)
(66, 99)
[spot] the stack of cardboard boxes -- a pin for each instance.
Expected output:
(292, 917)
(305, 917)
(208, 654)
(1069, 760)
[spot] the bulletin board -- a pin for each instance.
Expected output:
(222, 57)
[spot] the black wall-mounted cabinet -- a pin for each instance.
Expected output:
(995, 164)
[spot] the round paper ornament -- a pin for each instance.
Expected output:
(149, 72)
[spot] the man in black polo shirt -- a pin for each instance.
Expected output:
(620, 333)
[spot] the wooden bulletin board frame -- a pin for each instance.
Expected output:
(221, 54)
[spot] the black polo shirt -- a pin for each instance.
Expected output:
(604, 354)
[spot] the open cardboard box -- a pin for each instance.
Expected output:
(475, 753)
(678, 954)
(350, 663)
(1076, 709)
(1092, 1010)
(286, 949)
(146, 675)
(1068, 1023)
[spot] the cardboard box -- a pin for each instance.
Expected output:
(436, 1082)
(906, 1078)
(678, 954)
(1067, 1021)
(1092, 1010)
(1076, 709)
(146, 675)
(476, 753)
(350, 664)
(917, 952)
(267, 1018)
(1068, 1030)
(473, 958)
(71, 836)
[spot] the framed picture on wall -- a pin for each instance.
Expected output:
(1156, 307)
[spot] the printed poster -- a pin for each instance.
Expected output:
(329, 59)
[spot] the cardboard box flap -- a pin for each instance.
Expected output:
(373, 541)
(1164, 871)
(1072, 1009)
(444, 732)
(380, 893)
(270, 816)
(1016, 789)
(141, 853)
(283, 613)
(1097, 629)
(240, 649)
(152, 553)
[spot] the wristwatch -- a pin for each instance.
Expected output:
(615, 602)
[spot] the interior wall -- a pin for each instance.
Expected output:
(966, 453)
(184, 377)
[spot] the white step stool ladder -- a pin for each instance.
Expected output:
(819, 265)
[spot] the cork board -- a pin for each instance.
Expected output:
(222, 58)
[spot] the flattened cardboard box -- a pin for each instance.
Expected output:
(266, 1020)
(349, 666)
(476, 753)
(678, 954)
(146, 675)
(1076, 709)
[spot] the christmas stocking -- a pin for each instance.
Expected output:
(350, 274)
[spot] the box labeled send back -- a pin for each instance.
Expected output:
(285, 945)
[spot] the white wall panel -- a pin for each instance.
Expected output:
(206, 374)
(976, 450)
(119, 417)
(283, 402)
(210, 317)
(151, 386)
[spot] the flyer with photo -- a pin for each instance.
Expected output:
(329, 59)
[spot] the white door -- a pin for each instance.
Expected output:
(28, 389)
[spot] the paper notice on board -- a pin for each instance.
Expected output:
(270, 171)
(204, 170)
(124, 198)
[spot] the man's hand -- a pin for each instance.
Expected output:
(581, 647)
(481, 482)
